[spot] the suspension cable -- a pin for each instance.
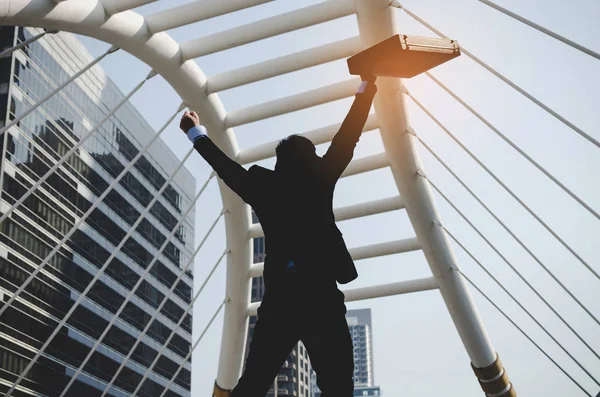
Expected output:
(163, 302)
(506, 290)
(513, 145)
(141, 280)
(507, 229)
(100, 271)
(194, 346)
(189, 307)
(22, 44)
(14, 122)
(569, 124)
(89, 211)
(505, 187)
(542, 29)
(74, 149)
(521, 330)
(512, 267)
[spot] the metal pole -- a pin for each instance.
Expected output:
(166, 344)
(89, 211)
(57, 90)
(22, 44)
(139, 282)
(155, 315)
(376, 21)
(493, 71)
(194, 347)
(542, 29)
(108, 261)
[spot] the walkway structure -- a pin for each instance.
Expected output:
(117, 23)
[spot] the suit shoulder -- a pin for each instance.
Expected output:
(259, 171)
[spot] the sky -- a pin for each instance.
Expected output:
(417, 351)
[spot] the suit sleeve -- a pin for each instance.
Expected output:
(234, 175)
(340, 152)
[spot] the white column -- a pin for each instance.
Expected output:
(377, 22)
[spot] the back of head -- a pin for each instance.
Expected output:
(295, 153)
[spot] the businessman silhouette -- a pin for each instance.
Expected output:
(305, 251)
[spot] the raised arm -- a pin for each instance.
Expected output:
(234, 175)
(340, 152)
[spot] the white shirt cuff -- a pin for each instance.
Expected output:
(362, 87)
(196, 133)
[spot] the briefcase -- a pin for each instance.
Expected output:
(403, 56)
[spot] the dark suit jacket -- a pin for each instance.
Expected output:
(295, 209)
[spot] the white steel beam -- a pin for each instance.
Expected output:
(303, 100)
(378, 291)
(126, 30)
(256, 270)
(279, 24)
(351, 212)
(365, 252)
(284, 64)
(196, 11)
(401, 287)
(384, 249)
(366, 164)
(371, 208)
(317, 137)
(377, 22)
(115, 6)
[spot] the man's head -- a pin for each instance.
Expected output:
(295, 152)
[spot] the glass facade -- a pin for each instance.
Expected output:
(28, 151)
(295, 375)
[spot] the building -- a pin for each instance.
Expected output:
(367, 391)
(314, 389)
(294, 378)
(359, 323)
(28, 150)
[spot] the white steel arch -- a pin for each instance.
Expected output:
(113, 22)
(129, 31)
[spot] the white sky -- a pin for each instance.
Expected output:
(417, 351)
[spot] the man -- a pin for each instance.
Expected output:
(305, 252)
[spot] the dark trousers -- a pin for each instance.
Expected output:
(323, 330)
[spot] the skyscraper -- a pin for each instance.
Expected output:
(294, 378)
(359, 324)
(28, 150)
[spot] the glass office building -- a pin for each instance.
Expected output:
(34, 229)
(294, 378)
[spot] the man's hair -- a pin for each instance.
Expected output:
(294, 146)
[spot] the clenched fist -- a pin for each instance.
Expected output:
(189, 120)
(368, 87)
